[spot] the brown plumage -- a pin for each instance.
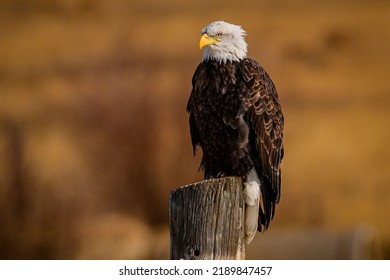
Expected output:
(236, 118)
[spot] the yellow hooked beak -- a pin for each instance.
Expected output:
(205, 40)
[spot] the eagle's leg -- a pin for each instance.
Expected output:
(252, 200)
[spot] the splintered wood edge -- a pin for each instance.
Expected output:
(207, 182)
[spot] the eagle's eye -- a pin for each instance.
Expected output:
(218, 35)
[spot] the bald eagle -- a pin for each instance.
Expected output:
(236, 118)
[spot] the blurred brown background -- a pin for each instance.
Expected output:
(94, 132)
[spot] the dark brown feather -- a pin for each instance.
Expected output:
(267, 122)
(236, 118)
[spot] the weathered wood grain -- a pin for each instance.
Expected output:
(206, 220)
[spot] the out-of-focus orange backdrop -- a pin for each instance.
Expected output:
(94, 132)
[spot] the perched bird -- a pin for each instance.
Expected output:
(236, 118)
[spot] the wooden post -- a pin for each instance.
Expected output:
(206, 220)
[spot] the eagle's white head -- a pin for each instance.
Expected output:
(222, 41)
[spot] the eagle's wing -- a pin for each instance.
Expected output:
(265, 118)
(194, 132)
